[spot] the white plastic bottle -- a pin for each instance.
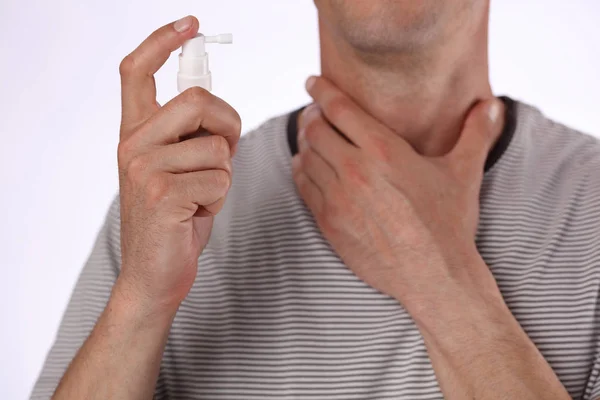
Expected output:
(193, 61)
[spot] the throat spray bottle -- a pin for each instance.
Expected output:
(194, 69)
(193, 61)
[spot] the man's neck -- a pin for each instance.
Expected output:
(423, 95)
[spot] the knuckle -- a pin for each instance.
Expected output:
(229, 167)
(331, 211)
(127, 65)
(219, 147)
(330, 215)
(224, 180)
(123, 152)
(382, 149)
(354, 173)
(310, 159)
(338, 206)
(126, 151)
(311, 129)
(325, 222)
(237, 123)
(303, 183)
(157, 190)
(220, 181)
(337, 108)
(215, 207)
(305, 157)
(196, 95)
(137, 167)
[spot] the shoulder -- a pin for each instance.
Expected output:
(554, 169)
(553, 146)
(547, 179)
(546, 155)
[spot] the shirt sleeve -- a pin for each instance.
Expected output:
(87, 302)
(592, 391)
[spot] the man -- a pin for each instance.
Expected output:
(407, 236)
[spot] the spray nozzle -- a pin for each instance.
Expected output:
(223, 38)
(193, 61)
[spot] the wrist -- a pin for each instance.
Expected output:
(467, 295)
(467, 321)
(128, 302)
(464, 314)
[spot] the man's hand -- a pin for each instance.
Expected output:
(170, 189)
(405, 224)
(402, 222)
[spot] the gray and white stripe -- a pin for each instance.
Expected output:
(275, 314)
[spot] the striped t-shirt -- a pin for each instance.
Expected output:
(275, 314)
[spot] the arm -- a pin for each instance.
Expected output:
(110, 351)
(88, 300)
(405, 224)
(479, 350)
(171, 186)
(121, 357)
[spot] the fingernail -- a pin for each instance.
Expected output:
(494, 111)
(183, 24)
(310, 82)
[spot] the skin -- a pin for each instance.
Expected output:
(397, 58)
(425, 257)
(413, 96)
(170, 191)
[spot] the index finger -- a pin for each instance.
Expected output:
(138, 90)
(190, 113)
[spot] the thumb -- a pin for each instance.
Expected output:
(481, 130)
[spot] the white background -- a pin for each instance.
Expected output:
(59, 120)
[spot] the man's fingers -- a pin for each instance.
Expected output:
(363, 130)
(312, 195)
(202, 188)
(317, 169)
(138, 91)
(340, 110)
(480, 132)
(194, 109)
(211, 209)
(323, 139)
(197, 154)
